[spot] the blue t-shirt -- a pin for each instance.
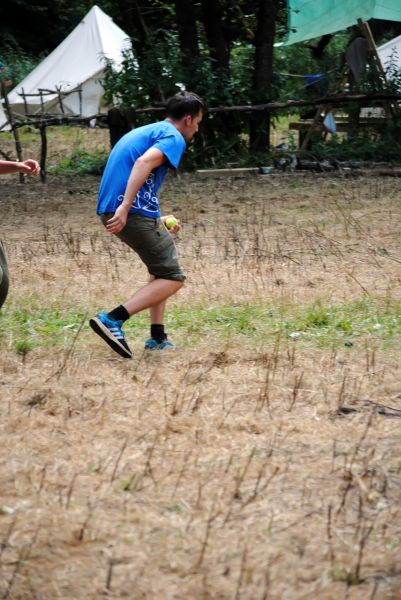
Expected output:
(162, 135)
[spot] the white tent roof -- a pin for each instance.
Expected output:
(391, 51)
(77, 61)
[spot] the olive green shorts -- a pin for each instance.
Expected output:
(153, 244)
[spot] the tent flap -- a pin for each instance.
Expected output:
(390, 54)
(308, 19)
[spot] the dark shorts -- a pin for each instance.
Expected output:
(4, 276)
(153, 243)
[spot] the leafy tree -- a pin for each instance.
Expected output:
(263, 71)
(215, 48)
(218, 47)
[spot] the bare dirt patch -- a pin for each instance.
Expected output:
(258, 459)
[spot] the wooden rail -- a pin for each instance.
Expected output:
(42, 121)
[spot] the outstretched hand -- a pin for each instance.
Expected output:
(30, 167)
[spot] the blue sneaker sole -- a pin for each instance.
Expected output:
(99, 328)
(159, 348)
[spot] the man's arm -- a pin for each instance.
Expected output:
(29, 166)
(143, 166)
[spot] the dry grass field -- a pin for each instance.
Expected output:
(261, 459)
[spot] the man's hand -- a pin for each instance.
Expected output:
(173, 230)
(30, 167)
(118, 220)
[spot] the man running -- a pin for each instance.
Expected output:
(129, 208)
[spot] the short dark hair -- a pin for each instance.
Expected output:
(184, 103)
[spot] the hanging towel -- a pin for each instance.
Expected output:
(330, 123)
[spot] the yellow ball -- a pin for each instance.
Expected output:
(171, 222)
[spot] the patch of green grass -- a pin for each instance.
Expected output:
(27, 327)
(81, 162)
(316, 324)
(336, 324)
(392, 543)
(27, 135)
(24, 328)
(295, 184)
(23, 346)
(317, 316)
(345, 575)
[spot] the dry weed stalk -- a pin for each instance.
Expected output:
(242, 571)
(363, 531)
(69, 352)
(295, 390)
(330, 534)
(210, 520)
(348, 469)
(70, 490)
(23, 557)
(80, 533)
(239, 478)
(185, 461)
(148, 469)
(119, 457)
(7, 536)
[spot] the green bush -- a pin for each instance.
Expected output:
(368, 146)
(81, 162)
(17, 63)
(222, 137)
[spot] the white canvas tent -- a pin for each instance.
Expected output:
(3, 118)
(77, 63)
(391, 52)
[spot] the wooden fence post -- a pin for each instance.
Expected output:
(43, 151)
(14, 129)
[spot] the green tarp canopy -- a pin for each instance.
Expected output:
(309, 19)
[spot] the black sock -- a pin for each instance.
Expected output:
(157, 332)
(119, 314)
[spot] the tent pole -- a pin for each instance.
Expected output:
(60, 101)
(14, 129)
(42, 106)
(392, 109)
(314, 125)
(25, 103)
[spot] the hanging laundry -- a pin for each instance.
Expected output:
(330, 123)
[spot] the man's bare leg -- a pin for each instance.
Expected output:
(157, 333)
(157, 311)
(152, 295)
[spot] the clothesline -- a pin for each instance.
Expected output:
(303, 76)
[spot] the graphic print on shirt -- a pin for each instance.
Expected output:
(146, 198)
